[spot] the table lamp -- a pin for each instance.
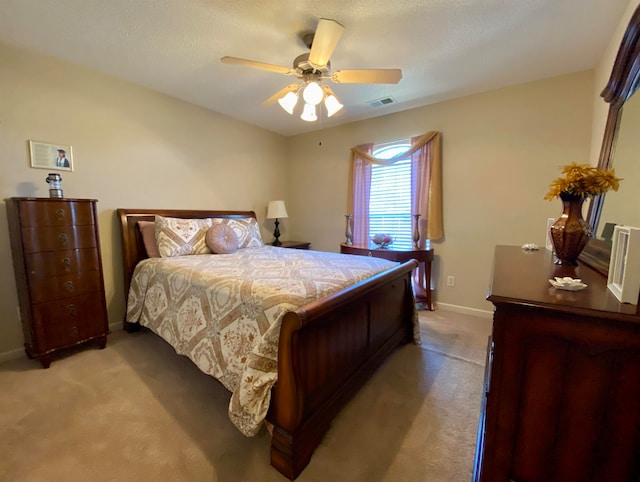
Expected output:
(276, 210)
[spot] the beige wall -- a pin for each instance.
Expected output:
(501, 150)
(136, 148)
(132, 148)
(602, 74)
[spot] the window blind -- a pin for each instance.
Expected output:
(390, 200)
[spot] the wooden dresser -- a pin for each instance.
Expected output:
(58, 268)
(562, 381)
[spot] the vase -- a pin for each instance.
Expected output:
(347, 231)
(416, 231)
(570, 232)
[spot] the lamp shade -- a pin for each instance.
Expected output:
(332, 104)
(313, 93)
(289, 101)
(276, 209)
(309, 113)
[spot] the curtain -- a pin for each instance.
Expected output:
(426, 160)
(426, 191)
(361, 187)
(426, 185)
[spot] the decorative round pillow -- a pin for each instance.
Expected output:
(221, 239)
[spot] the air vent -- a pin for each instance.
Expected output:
(381, 102)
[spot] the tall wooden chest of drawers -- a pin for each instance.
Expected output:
(56, 258)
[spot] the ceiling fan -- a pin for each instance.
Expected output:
(315, 66)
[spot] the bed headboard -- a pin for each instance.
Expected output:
(133, 250)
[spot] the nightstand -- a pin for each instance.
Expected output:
(422, 256)
(295, 244)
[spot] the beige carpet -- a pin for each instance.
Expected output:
(136, 411)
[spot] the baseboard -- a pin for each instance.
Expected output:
(466, 310)
(12, 355)
(19, 352)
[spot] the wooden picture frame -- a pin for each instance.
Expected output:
(624, 277)
(56, 157)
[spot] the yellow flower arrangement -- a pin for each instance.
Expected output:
(583, 181)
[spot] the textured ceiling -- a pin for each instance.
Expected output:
(445, 48)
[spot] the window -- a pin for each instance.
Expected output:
(390, 196)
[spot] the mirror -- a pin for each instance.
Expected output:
(623, 207)
(619, 150)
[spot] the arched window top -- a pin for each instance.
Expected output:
(387, 151)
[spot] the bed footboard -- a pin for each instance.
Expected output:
(327, 350)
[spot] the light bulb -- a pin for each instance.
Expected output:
(289, 101)
(332, 104)
(309, 113)
(312, 93)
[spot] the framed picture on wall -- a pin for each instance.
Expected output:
(57, 157)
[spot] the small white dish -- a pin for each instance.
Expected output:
(568, 284)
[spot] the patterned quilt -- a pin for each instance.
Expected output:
(223, 311)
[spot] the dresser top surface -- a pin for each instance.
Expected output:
(390, 248)
(522, 277)
(47, 199)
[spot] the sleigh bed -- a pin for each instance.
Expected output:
(326, 349)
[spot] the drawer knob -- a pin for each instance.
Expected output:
(66, 262)
(72, 309)
(63, 238)
(69, 286)
(73, 332)
(369, 253)
(60, 214)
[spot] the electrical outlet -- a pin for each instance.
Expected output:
(451, 281)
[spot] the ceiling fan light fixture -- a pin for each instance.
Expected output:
(309, 113)
(313, 67)
(289, 101)
(313, 93)
(332, 104)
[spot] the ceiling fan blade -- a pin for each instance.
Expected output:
(281, 93)
(325, 40)
(327, 90)
(257, 65)
(370, 76)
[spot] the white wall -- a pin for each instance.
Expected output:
(132, 148)
(501, 149)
